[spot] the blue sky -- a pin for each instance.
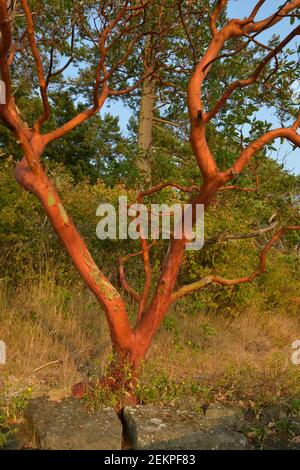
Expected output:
(240, 9)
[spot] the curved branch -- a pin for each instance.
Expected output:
(114, 307)
(195, 286)
(146, 248)
(148, 274)
(262, 25)
(39, 67)
(256, 9)
(102, 76)
(187, 32)
(216, 13)
(239, 188)
(251, 80)
(235, 28)
(296, 123)
(52, 74)
(132, 292)
(241, 236)
(258, 144)
(76, 121)
(161, 186)
(5, 46)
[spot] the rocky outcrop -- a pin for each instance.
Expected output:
(150, 427)
(65, 425)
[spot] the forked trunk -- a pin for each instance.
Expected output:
(130, 345)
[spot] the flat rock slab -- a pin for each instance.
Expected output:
(65, 425)
(150, 427)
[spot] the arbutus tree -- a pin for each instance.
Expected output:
(169, 54)
(113, 30)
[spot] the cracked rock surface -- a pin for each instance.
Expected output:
(151, 427)
(65, 425)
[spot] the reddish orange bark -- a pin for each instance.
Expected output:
(130, 345)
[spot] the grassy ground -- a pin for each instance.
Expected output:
(56, 335)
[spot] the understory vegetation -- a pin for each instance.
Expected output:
(204, 96)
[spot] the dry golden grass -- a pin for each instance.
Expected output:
(242, 358)
(44, 323)
(57, 335)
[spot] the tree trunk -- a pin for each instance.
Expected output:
(124, 342)
(144, 163)
(121, 378)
